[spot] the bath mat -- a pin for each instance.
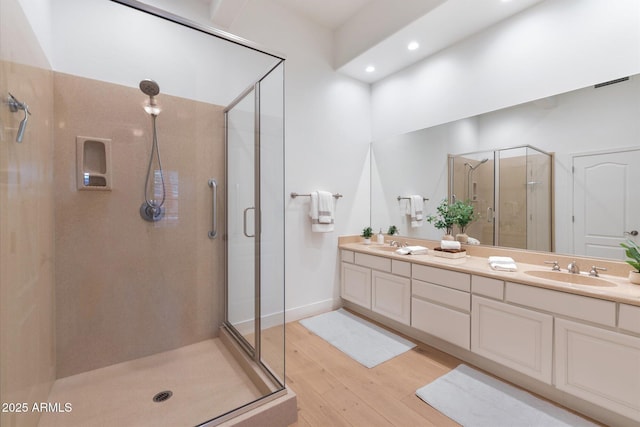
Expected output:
(474, 399)
(363, 341)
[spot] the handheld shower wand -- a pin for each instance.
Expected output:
(151, 210)
(14, 106)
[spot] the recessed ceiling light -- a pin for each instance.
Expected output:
(413, 45)
(370, 69)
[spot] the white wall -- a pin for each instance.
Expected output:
(553, 47)
(327, 144)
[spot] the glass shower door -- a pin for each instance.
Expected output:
(255, 223)
(241, 215)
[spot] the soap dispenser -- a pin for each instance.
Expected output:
(380, 238)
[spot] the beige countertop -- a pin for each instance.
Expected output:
(476, 262)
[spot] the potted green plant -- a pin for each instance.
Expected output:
(367, 232)
(444, 219)
(632, 250)
(393, 230)
(463, 215)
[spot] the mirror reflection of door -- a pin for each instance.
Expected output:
(606, 206)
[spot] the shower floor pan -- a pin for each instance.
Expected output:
(205, 381)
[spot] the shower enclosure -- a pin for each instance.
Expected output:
(511, 190)
(108, 318)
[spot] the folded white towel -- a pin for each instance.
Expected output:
(412, 250)
(414, 210)
(502, 263)
(450, 244)
(321, 212)
(501, 259)
(500, 266)
(473, 241)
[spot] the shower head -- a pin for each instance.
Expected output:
(478, 164)
(149, 87)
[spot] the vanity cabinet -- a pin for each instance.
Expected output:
(391, 296)
(598, 365)
(356, 284)
(516, 337)
(440, 304)
(585, 346)
(378, 284)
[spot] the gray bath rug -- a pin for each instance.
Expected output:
(474, 399)
(363, 341)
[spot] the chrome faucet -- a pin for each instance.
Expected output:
(555, 267)
(594, 271)
(397, 244)
(573, 267)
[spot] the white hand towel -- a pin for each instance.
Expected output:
(325, 207)
(314, 212)
(412, 250)
(450, 244)
(502, 263)
(414, 210)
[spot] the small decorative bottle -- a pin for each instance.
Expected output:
(380, 238)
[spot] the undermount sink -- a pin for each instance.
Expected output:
(577, 279)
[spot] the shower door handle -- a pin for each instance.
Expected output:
(244, 222)
(489, 214)
(214, 209)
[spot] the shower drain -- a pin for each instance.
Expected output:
(162, 396)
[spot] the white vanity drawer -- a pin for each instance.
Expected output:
(375, 262)
(347, 256)
(577, 306)
(442, 295)
(492, 288)
(450, 325)
(439, 276)
(629, 318)
(401, 268)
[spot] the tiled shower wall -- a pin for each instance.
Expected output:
(127, 288)
(27, 335)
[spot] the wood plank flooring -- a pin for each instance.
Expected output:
(335, 390)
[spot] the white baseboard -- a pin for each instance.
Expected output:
(297, 313)
(292, 314)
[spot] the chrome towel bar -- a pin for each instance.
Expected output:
(294, 195)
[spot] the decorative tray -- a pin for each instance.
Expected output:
(449, 253)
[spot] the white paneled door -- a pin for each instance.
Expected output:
(606, 206)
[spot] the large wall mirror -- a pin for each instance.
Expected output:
(593, 133)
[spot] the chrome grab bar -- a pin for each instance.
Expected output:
(214, 208)
(244, 222)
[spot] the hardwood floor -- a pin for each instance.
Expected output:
(335, 390)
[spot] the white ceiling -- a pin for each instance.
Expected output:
(376, 32)
(329, 13)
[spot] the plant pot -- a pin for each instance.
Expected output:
(447, 237)
(367, 241)
(634, 277)
(462, 238)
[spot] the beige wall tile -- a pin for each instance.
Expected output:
(127, 288)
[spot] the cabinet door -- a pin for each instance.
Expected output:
(356, 284)
(599, 366)
(391, 296)
(442, 322)
(515, 337)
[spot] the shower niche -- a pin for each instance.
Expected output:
(93, 163)
(511, 191)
